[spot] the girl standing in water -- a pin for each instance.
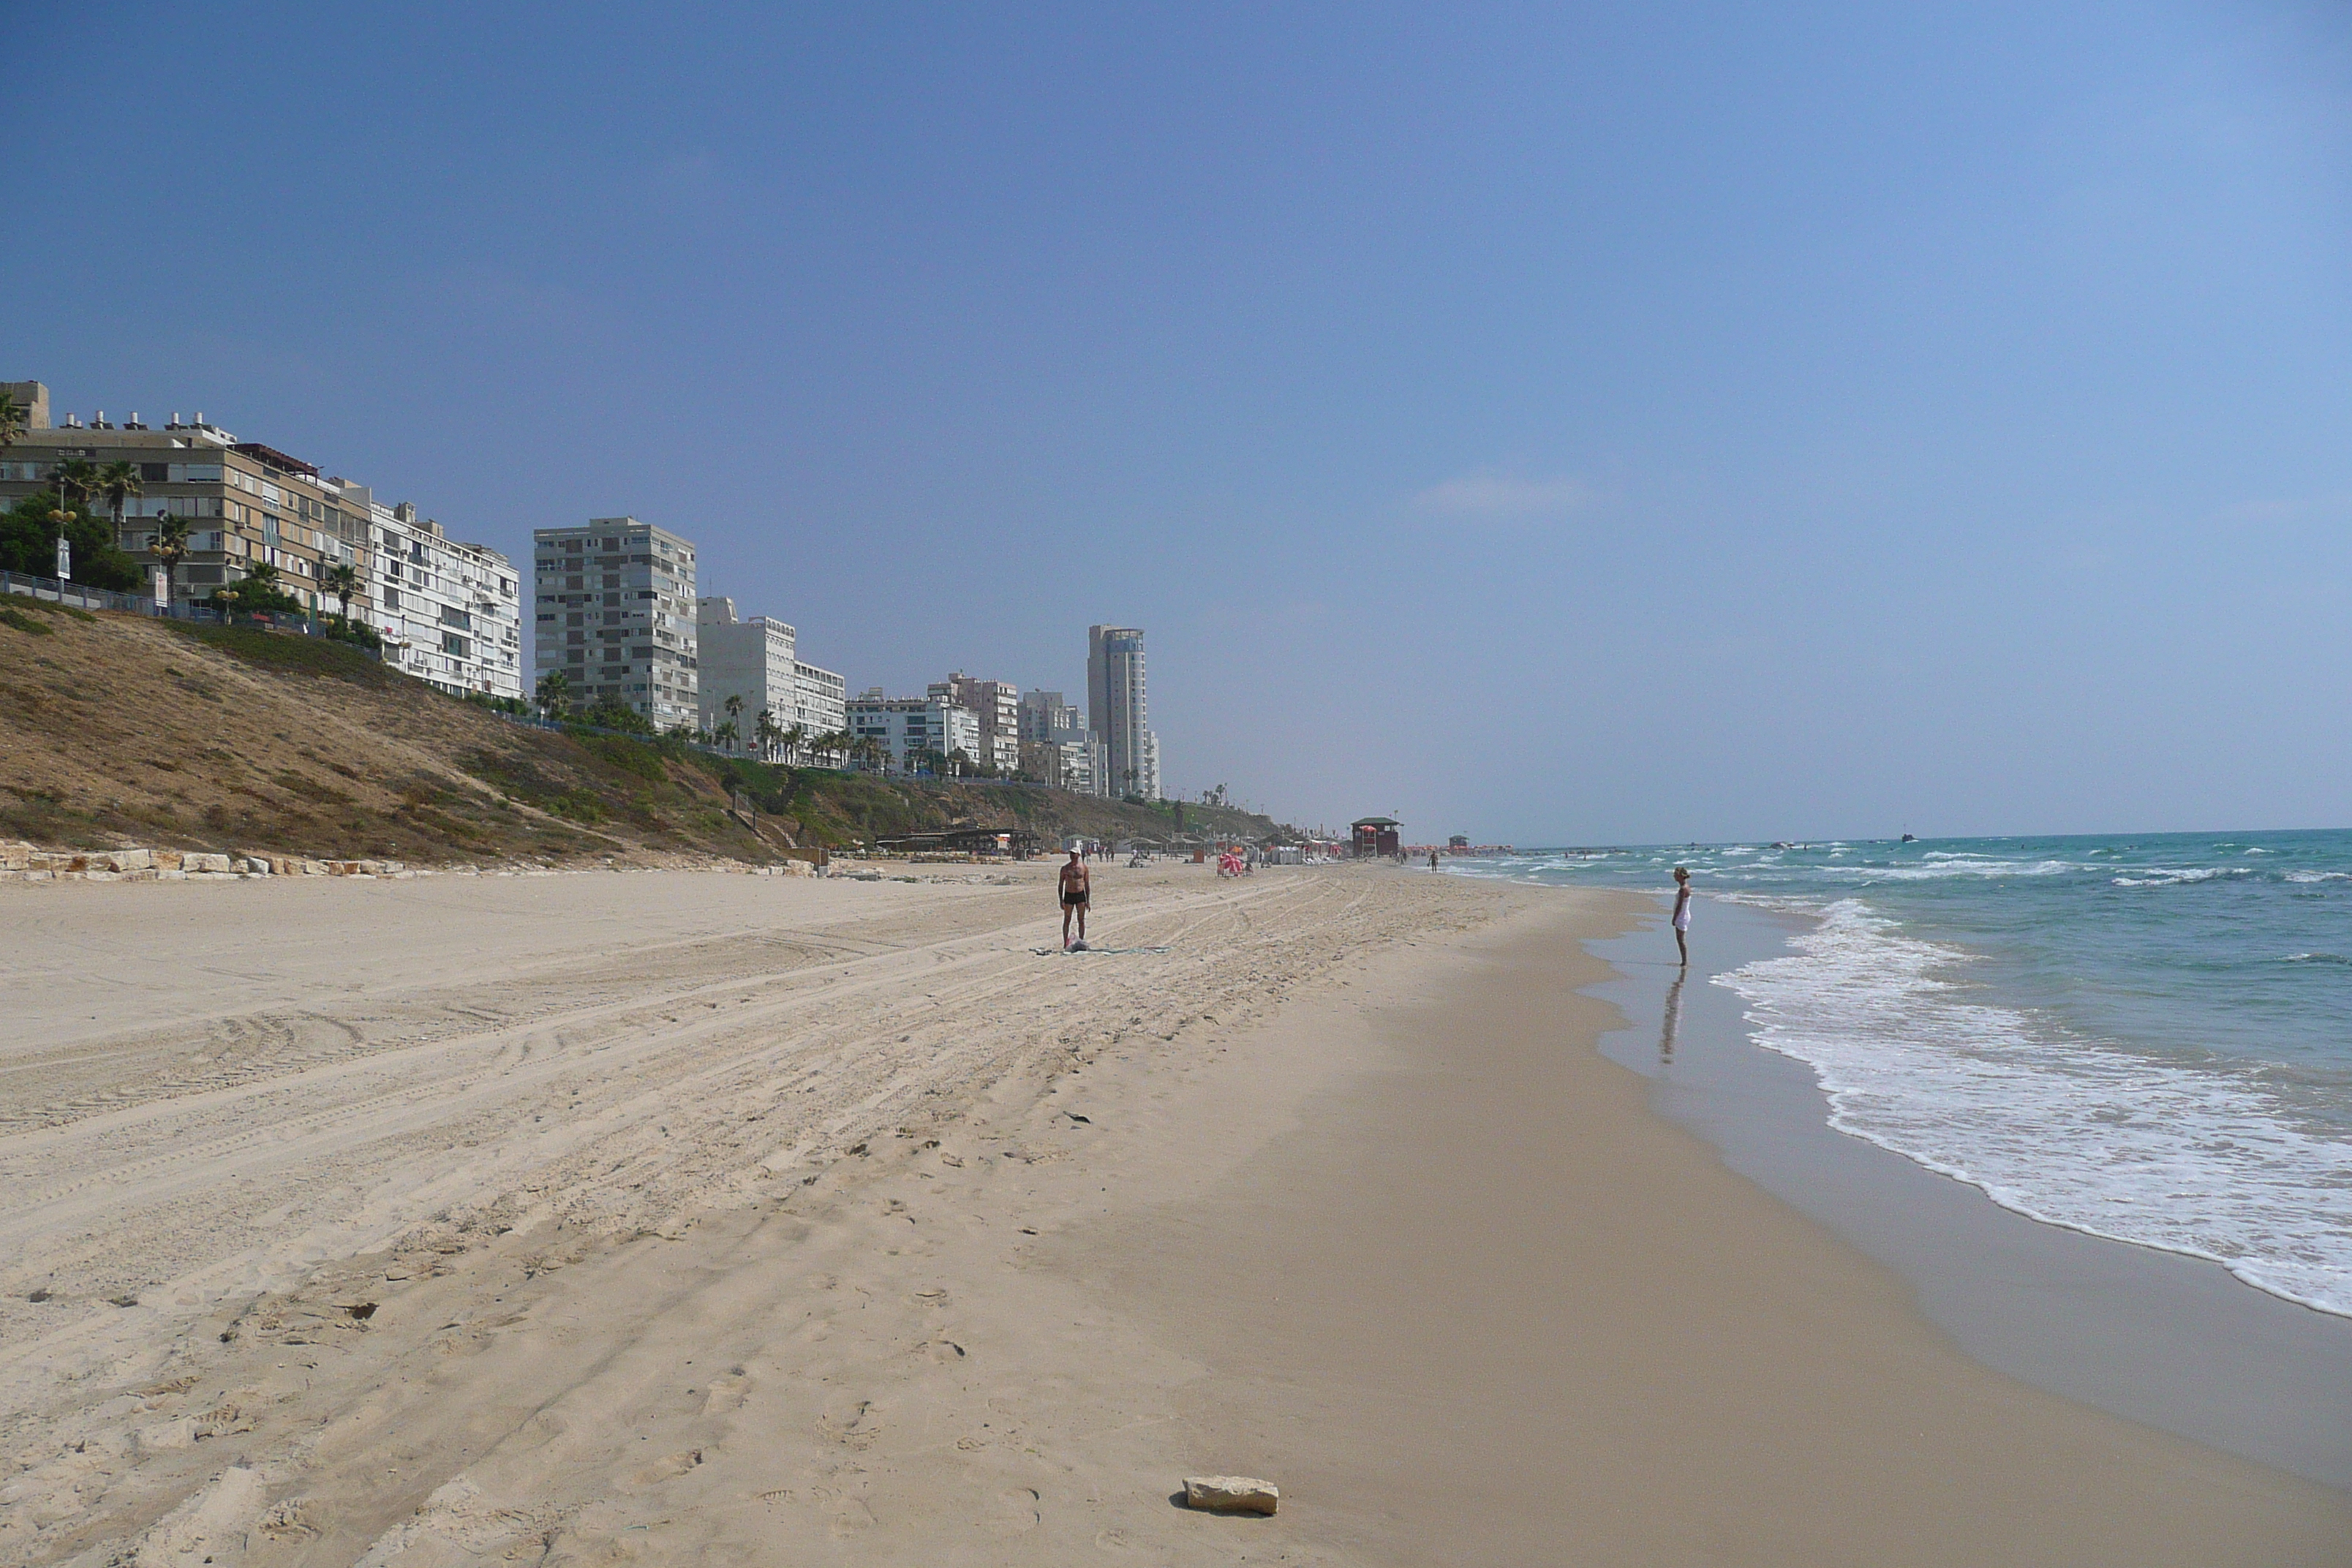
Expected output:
(1681, 913)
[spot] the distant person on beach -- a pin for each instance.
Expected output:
(1681, 913)
(1075, 887)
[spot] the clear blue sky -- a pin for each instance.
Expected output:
(1563, 423)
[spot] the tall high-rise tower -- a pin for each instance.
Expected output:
(1119, 711)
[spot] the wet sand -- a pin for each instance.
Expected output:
(2176, 1341)
(1482, 1308)
(676, 1219)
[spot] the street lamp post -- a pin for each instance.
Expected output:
(63, 518)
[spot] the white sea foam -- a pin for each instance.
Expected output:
(2191, 1158)
(1958, 867)
(2162, 877)
(2320, 876)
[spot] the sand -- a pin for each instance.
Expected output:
(675, 1217)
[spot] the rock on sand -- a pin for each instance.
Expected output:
(1231, 1494)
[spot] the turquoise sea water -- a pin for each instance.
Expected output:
(2147, 1035)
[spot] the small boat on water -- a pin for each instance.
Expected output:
(1910, 838)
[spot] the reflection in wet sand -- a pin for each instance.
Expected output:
(1674, 1022)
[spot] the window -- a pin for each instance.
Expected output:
(391, 597)
(451, 643)
(451, 615)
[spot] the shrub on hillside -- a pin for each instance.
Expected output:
(611, 713)
(28, 543)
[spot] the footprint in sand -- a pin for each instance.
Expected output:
(727, 1394)
(850, 1517)
(851, 1421)
(1015, 1511)
(666, 1467)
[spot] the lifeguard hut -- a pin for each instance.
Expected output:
(1373, 835)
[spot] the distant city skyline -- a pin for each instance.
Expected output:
(1570, 425)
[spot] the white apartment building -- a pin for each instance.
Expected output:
(1119, 705)
(1056, 748)
(615, 614)
(907, 725)
(758, 660)
(821, 704)
(997, 705)
(450, 612)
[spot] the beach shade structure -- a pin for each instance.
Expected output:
(1373, 836)
(1019, 842)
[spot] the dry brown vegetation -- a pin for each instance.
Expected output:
(115, 729)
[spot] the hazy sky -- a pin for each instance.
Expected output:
(1549, 422)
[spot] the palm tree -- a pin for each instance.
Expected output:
(734, 706)
(791, 738)
(117, 485)
(12, 420)
(554, 694)
(75, 479)
(256, 591)
(343, 583)
(763, 734)
(724, 736)
(171, 548)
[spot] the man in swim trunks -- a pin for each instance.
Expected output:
(1076, 885)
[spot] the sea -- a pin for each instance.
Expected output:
(2147, 1036)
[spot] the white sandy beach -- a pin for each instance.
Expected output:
(676, 1217)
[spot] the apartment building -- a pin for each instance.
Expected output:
(750, 663)
(613, 611)
(450, 612)
(821, 704)
(1118, 704)
(759, 661)
(997, 705)
(915, 726)
(1056, 748)
(246, 503)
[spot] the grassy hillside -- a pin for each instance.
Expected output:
(115, 729)
(823, 807)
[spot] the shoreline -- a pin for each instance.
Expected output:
(2150, 1334)
(1485, 1300)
